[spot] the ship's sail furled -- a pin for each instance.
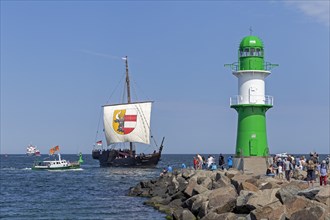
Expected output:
(127, 122)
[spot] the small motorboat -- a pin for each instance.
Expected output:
(58, 163)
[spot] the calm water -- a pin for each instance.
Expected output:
(89, 193)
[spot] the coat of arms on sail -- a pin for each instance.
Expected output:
(124, 120)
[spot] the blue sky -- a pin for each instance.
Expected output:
(60, 62)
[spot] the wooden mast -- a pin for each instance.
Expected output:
(128, 100)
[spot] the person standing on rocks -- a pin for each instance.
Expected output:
(288, 168)
(280, 171)
(310, 172)
(230, 162)
(200, 161)
(221, 161)
(195, 163)
(323, 173)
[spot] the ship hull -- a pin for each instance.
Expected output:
(109, 158)
(71, 167)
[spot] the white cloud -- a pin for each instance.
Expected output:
(318, 10)
(99, 54)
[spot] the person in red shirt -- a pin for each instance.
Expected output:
(195, 163)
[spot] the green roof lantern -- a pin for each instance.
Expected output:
(251, 54)
(251, 41)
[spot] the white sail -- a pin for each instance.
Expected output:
(127, 122)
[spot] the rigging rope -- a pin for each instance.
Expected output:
(119, 83)
(98, 126)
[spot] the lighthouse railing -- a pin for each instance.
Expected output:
(252, 99)
(236, 66)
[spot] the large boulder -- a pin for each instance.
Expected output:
(316, 212)
(242, 205)
(179, 195)
(269, 185)
(309, 193)
(182, 183)
(298, 203)
(263, 198)
(186, 215)
(176, 203)
(207, 183)
(323, 195)
(272, 211)
(198, 203)
(222, 199)
(199, 198)
(203, 210)
(287, 192)
(135, 191)
(231, 173)
(157, 200)
(187, 173)
(198, 189)
(238, 179)
(223, 216)
(248, 187)
(190, 187)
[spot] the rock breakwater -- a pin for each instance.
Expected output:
(213, 195)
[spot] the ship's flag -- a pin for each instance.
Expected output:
(99, 143)
(54, 149)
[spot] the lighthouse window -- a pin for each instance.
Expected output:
(252, 52)
(246, 52)
(259, 52)
(240, 53)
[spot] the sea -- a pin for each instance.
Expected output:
(91, 192)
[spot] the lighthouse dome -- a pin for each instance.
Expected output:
(251, 41)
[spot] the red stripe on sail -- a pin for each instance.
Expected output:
(130, 117)
(128, 130)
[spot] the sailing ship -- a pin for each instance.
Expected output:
(57, 164)
(126, 123)
(32, 150)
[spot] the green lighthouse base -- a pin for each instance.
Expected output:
(251, 130)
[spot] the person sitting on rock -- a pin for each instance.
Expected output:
(169, 169)
(269, 171)
(164, 172)
(183, 166)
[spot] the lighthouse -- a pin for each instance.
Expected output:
(251, 103)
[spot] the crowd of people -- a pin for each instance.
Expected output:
(200, 162)
(284, 166)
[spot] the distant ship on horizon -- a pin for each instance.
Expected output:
(32, 150)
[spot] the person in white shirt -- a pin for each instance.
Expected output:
(280, 172)
(209, 161)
